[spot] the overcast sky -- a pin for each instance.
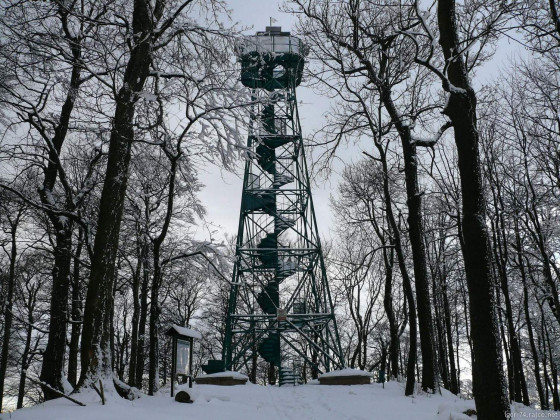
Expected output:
(222, 194)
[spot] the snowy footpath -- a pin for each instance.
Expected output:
(248, 402)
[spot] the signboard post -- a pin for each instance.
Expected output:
(182, 348)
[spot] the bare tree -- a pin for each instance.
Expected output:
(362, 209)
(31, 315)
(12, 214)
(364, 41)
(459, 57)
(157, 36)
(46, 60)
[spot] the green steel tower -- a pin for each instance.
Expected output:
(280, 305)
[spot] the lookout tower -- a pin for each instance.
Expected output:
(280, 306)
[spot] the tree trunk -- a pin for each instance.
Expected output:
(518, 375)
(142, 324)
(76, 316)
(314, 357)
(383, 365)
(24, 366)
(407, 285)
(507, 351)
(388, 306)
(441, 337)
(52, 370)
(553, 369)
(271, 374)
(416, 236)
(96, 352)
(27, 349)
(165, 363)
(8, 317)
(136, 307)
(454, 385)
(254, 361)
(421, 281)
(488, 378)
(155, 311)
(534, 352)
(518, 387)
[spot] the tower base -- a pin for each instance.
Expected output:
(226, 378)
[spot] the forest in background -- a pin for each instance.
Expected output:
(444, 259)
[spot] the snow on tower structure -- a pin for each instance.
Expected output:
(280, 305)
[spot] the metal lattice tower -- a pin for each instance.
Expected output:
(279, 304)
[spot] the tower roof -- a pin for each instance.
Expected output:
(273, 30)
(271, 40)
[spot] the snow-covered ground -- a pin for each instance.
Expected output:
(248, 402)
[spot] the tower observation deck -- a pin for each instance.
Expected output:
(280, 307)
